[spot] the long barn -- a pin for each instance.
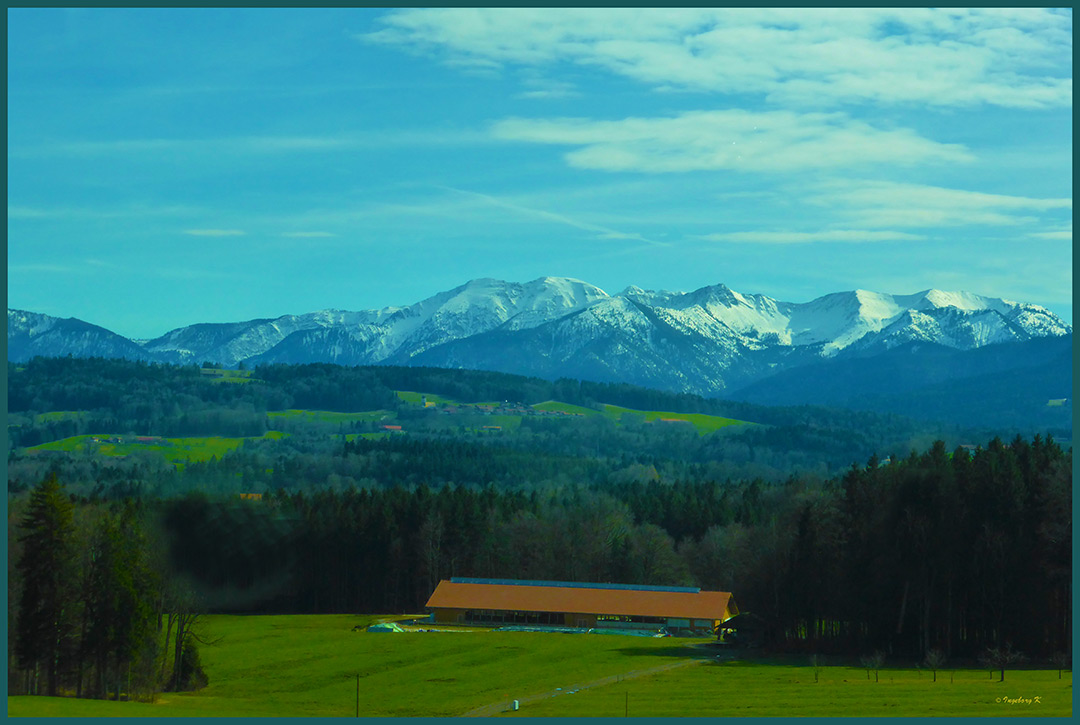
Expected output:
(463, 600)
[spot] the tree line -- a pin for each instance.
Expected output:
(954, 552)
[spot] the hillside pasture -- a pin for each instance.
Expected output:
(174, 450)
(554, 406)
(332, 417)
(417, 398)
(55, 416)
(702, 423)
(215, 375)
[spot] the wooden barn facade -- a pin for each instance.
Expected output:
(497, 602)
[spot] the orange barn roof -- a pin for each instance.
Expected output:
(581, 600)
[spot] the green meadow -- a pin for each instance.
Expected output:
(743, 689)
(702, 423)
(298, 665)
(416, 398)
(56, 416)
(307, 666)
(174, 450)
(557, 407)
(215, 375)
(329, 416)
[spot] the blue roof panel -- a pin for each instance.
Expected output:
(573, 585)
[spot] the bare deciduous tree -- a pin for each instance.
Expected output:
(934, 660)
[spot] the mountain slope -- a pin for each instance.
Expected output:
(992, 385)
(711, 341)
(31, 334)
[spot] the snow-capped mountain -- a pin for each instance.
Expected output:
(708, 341)
(388, 335)
(31, 334)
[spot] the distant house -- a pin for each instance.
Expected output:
(392, 427)
(463, 600)
(252, 496)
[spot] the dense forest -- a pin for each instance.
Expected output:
(845, 533)
(121, 397)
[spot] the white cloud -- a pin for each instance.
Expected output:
(547, 88)
(1066, 235)
(878, 204)
(941, 57)
(215, 232)
(833, 235)
(733, 139)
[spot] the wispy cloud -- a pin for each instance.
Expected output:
(115, 212)
(878, 204)
(47, 268)
(855, 236)
(24, 212)
(258, 145)
(215, 232)
(942, 57)
(601, 232)
(546, 88)
(773, 141)
(1063, 234)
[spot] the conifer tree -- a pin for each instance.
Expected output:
(46, 623)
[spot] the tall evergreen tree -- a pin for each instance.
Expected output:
(46, 623)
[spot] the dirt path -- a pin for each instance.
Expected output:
(496, 707)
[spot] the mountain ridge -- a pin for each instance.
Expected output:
(709, 341)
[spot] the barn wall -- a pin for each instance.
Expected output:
(449, 616)
(573, 620)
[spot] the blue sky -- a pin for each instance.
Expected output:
(173, 166)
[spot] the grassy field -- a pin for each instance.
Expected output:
(58, 415)
(308, 666)
(174, 450)
(415, 398)
(702, 423)
(556, 406)
(328, 416)
(739, 689)
(226, 376)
